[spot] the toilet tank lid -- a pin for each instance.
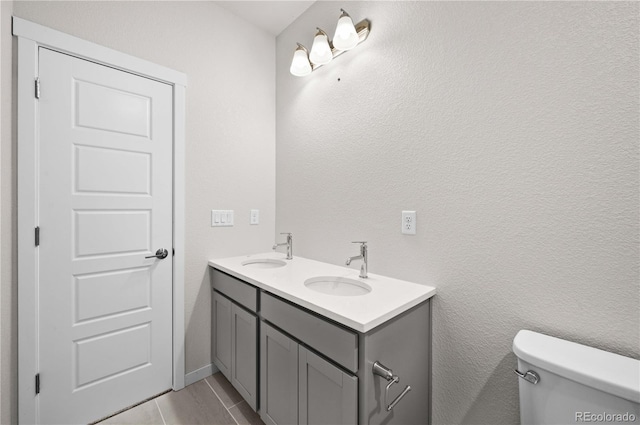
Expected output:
(602, 370)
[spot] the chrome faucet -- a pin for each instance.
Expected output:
(363, 256)
(288, 243)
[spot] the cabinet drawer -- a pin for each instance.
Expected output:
(333, 341)
(239, 291)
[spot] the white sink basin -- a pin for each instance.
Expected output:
(334, 285)
(263, 263)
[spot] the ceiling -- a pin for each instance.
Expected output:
(272, 16)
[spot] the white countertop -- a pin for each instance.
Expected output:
(388, 298)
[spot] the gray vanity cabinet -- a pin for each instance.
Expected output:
(234, 343)
(326, 394)
(300, 387)
(244, 351)
(278, 377)
(221, 338)
(313, 370)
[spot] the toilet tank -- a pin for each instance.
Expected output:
(578, 384)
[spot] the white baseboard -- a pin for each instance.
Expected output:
(199, 374)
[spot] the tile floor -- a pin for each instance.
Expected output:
(211, 401)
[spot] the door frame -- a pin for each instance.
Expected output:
(31, 37)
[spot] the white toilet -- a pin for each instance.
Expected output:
(568, 383)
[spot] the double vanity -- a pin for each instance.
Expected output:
(308, 342)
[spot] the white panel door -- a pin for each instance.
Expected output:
(105, 202)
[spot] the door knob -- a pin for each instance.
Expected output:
(160, 253)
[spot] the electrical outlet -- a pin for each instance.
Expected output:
(408, 222)
(254, 217)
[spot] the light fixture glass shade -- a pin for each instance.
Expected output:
(346, 37)
(300, 65)
(321, 50)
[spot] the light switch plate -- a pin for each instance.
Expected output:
(408, 222)
(221, 218)
(254, 217)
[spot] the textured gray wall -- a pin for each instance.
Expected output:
(230, 139)
(512, 129)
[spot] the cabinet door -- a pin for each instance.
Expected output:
(327, 395)
(278, 377)
(221, 335)
(244, 354)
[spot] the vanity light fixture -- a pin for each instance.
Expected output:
(300, 65)
(345, 37)
(323, 50)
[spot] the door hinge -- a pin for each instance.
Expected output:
(37, 88)
(173, 251)
(38, 236)
(37, 383)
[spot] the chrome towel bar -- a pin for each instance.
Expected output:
(381, 370)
